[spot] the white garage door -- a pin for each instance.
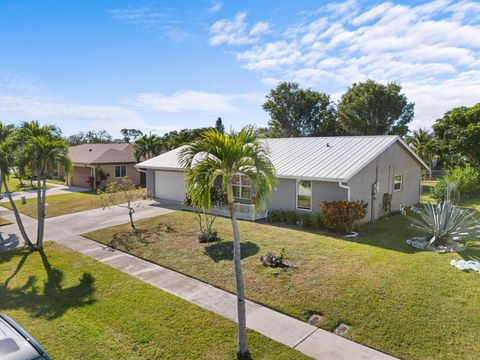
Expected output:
(169, 185)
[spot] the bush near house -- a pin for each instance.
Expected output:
(464, 182)
(290, 217)
(341, 216)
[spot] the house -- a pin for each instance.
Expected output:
(313, 170)
(97, 165)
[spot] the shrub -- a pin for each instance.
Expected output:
(444, 222)
(464, 181)
(208, 235)
(273, 259)
(341, 216)
(305, 220)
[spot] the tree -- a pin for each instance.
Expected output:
(122, 193)
(130, 135)
(174, 139)
(424, 144)
(43, 149)
(215, 155)
(299, 112)
(219, 125)
(459, 132)
(90, 137)
(370, 108)
(148, 146)
(7, 150)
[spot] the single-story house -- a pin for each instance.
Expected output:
(97, 165)
(316, 169)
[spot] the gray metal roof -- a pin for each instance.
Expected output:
(336, 158)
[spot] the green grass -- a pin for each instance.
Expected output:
(4, 221)
(78, 308)
(56, 181)
(14, 185)
(59, 204)
(411, 304)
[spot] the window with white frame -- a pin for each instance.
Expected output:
(398, 182)
(120, 171)
(242, 187)
(304, 195)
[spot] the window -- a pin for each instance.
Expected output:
(304, 195)
(120, 171)
(398, 182)
(242, 187)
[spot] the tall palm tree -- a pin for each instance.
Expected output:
(42, 151)
(148, 146)
(7, 150)
(215, 155)
(424, 144)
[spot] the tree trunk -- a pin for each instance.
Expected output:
(131, 211)
(16, 213)
(242, 351)
(41, 218)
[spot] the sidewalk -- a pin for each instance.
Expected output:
(310, 340)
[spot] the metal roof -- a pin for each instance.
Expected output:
(336, 158)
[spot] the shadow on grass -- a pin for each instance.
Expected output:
(224, 250)
(50, 300)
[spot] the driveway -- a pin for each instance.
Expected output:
(56, 190)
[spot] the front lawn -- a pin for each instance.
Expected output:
(411, 304)
(59, 204)
(4, 221)
(78, 308)
(15, 185)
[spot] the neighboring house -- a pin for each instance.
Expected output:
(97, 165)
(312, 170)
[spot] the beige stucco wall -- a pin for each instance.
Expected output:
(394, 160)
(79, 175)
(132, 173)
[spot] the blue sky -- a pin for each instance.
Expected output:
(164, 65)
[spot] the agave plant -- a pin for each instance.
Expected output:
(445, 221)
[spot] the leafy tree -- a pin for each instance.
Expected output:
(219, 125)
(130, 135)
(90, 137)
(459, 132)
(227, 156)
(148, 146)
(43, 149)
(7, 150)
(299, 112)
(370, 108)
(174, 139)
(122, 193)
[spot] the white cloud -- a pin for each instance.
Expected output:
(432, 49)
(216, 6)
(236, 31)
(161, 21)
(193, 101)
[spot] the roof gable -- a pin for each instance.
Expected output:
(336, 158)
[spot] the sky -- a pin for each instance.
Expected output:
(166, 65)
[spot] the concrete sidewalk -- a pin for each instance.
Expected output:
(310, 340)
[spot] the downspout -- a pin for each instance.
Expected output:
(344, 186)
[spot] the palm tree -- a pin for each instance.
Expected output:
(148, 146)
(215, 155)
(42, 151)
(7, 149)
(424, 144)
